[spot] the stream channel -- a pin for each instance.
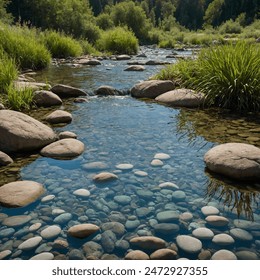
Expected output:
(123, 130)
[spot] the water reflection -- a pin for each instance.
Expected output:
(241, 199)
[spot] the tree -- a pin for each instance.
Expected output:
(213, 13)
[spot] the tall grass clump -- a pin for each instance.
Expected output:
(8, 72)
(88, 48)
(23, 46)
(61, 45)
(20, 100)
(118, 40)
(182, 73)
(229, 76)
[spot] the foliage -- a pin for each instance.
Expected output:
(229, 76)
(20, 100)
(104, 21)
(23, 46)
(8, 71)
(230, 27)
(118, 40)
(60, 45)
(88, 48)
(4, 16)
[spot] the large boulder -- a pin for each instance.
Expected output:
(135, 68)
(181, 98)
(59, 116)
(107, 90)
(20, 193)
(67, 91)
(235, 160)
(46, 98)
(151, 89)
(63, 149)
(20, 132)
(5, 159)
(92, 62)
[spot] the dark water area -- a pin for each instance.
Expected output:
(123, 130)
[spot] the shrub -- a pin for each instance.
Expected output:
(23, 46)
(88, 48)
(20, 99)
(61, 46)
(118, 40)
(229, 76)
(230, 27)
(8, 72)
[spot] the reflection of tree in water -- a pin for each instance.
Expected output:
(239, 197)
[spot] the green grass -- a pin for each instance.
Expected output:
(22, 45)
(118, 40)
(20, 100)
(88, 48)
(228, 75)
(61, 46)
(8, 72)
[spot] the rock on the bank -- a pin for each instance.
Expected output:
(83, 230)
(5, 159)
(46, 98)
(235, 160)
(63, 149)
(20, 193)
(20, 132)
(135, 68)
(107, 91)
(151, 89)
(182, 98)
(67, 134)
(65, 91)
(59, 116)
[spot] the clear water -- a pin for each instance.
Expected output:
(119, 130)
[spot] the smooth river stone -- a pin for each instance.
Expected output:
(241, 234)
(189, 244)
(16, 221)
(224, 255)
(137, 255)
(186, 217)
(125, 166)
(67, 134)
(148, 242)
(116, 227)
(132, 224)
(63, 218)
(143, 212)
(59, 116)
(43, 256)
(48, 198)
(162, 156)
(96, 165)
(20, 193)
(246, 255)
(223, 239)
(168, 185)
(141, 173)
(122, 199)
(63, 149)
(247, 225)
(156, 163)
(178, 196)
(35, 227)
(104, 177)
(83, 230)
(51, 232)
(166, 228)
(82, 192)
(163, 254)
(4, 254)
(203, 233)
(167, 216)
(30, 243)
(209, 210)
(217, 221)
(6, 232)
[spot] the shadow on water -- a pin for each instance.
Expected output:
(239, 198)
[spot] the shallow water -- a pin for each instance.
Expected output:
(118, 130)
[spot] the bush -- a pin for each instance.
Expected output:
(88, 48)
(8, 72)
(229, 76)
(20, 100)
(230, 27)
(118, 40)
(61, 46)
(23, 46)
